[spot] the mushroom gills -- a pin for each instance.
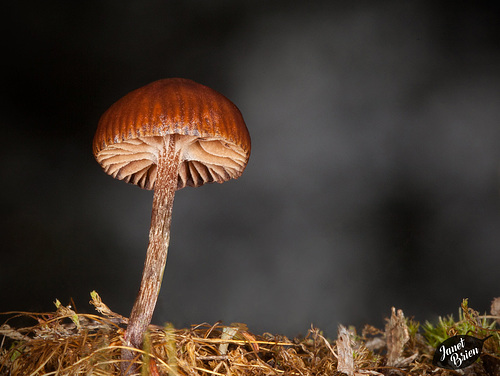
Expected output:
(203, 161)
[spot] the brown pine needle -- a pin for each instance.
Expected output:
(65, 342)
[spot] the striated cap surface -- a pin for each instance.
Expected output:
(211, 135)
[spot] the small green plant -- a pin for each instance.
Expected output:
(435, 334)
(413, 327)
(469, 322)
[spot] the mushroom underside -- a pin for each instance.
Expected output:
(203, 160)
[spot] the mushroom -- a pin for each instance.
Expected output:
(164, 136)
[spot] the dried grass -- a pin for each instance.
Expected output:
(69, 343)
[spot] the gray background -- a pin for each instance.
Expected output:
(373, 180)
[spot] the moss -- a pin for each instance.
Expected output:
(65, 342)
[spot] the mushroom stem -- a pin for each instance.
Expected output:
(159, 237)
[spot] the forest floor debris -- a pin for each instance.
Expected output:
(65, 342)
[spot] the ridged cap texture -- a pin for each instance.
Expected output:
(213, 139)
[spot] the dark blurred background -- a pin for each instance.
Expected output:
(374, 179)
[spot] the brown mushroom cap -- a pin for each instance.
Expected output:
(211, 135)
